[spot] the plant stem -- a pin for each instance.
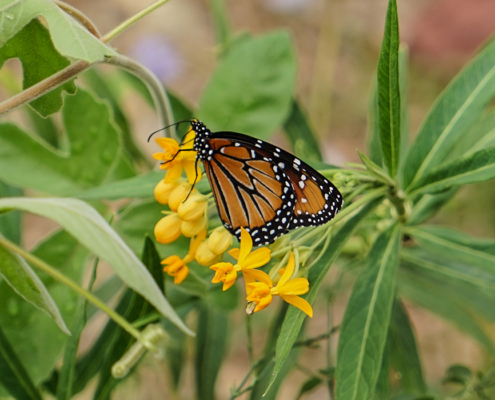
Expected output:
(119, 29)
(155, 87)
(45, 86)
(83, 19)
(122, 322)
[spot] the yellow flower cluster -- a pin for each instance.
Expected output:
(188, 216)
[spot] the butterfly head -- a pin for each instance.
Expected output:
(201, 144)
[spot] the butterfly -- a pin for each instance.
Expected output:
(262, 188)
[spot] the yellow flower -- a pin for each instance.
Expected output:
(220, 240)
(176, 266)
(288, 289)
(168, 229)
(246, 262)
(176, 158)
(163, 191)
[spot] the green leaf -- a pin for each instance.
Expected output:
(453, 302)
(472, 168)
(429, 205)
(382, 387)
(455, 111)
(69, 36)
(376, 171)
(366, 320)
(308, 386)
(295, 317)
(456, 246)
(210, 349)
(373, 136)
(19, 275)
(67, 372)
(103, 88)
(260, 75)
(404, 91)
(13, 375)
(480, 136)
(141, 186)
(404, 355)
(91, 230)
(10, 223)
(133, 307)
(27, 162)
(33, 47)
(20, 319)
(389, 100)
(299, 132)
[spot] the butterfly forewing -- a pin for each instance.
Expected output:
(248, 192)
(262, 188)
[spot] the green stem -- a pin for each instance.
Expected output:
(155, 87)
(71, 284)
(114, 32)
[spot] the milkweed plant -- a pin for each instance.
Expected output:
(181, 284)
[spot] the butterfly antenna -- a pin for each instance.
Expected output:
(175, 124)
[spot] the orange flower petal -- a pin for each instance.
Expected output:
(181, 275)
(192, 170)
(174, 171)
(300, 303)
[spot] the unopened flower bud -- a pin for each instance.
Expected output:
(168, 229)
(193, 228)
(178, 195)
(163, 191)
(220, 240)
(204, 256)
(193, 208)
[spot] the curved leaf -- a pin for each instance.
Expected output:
(366, 320)
(19, 275)
(70, 37)
(89, 228)
(457, 108)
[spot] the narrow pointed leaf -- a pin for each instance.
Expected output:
(454, 113)
(452, 301)
(376, 171)
(295, 317)
(472, 168)
(373, 138)
(389, 109)
(67, 372)
(223, 29)
(404, 354)
(210, 349)
(19, 275)
(13, 375)
(429, 205)
(301, 135)
(10, 223)
(457, 246)
(366, 320)
(89, 228)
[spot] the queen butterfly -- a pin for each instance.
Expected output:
(262, 188)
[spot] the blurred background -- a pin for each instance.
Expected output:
(337, 45)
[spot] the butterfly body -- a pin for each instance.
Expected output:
(261, 187)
